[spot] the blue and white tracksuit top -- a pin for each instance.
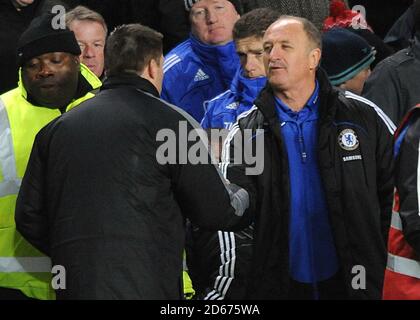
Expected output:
(195, 72)
(222, 111)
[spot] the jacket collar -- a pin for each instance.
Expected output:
(327, 95)
(247, 89)
(130, 80)
(213, 54)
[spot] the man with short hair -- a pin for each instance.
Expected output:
(90, 30)
(205, 263)
(52, 82)
(204, 65)
(99, 196)
(250, 79)
(325, 194)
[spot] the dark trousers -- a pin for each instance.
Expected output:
(331, 289)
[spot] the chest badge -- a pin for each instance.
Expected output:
(347, 139)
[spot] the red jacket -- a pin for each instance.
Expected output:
(402, 275)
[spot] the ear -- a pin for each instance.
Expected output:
(314, 58)
(153, 69)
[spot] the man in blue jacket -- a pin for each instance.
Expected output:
(218, 262)
(204, 65)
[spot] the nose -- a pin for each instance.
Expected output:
(44, 71)
(275, 53)
(88, 52)
(211, 17)
(249, 63)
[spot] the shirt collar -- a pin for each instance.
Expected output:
(311, 106)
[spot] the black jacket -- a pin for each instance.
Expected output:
(358, 186)
(95, 198)
(393, 84)
(219, 262)
(406, 177)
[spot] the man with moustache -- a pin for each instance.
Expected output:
(52, 81)
(205, 64)
(325, 195)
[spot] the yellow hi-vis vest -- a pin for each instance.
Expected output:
(21, 265)
(189, 291)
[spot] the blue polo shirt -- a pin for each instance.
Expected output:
(312, 252)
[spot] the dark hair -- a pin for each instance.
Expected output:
(130, 48)
(254, 23)
(312, 32)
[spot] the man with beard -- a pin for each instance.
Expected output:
(52, 81)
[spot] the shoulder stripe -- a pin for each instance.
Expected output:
(182, 47)
(179, 50)
(225, 158)
(170, 64)
(218, 96)
(246, 113)
(388, 122)
(169, 59)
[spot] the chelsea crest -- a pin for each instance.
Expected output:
(347, 139)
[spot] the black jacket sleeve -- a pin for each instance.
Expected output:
(407, 183)
(385, 172)
(205, 197)
(219, 262)
(31, 216)
(384, 89)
